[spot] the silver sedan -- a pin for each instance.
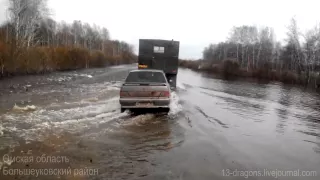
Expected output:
(145, 89)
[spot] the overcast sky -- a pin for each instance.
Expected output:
(195, 23)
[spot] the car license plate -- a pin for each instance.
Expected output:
(144, 104)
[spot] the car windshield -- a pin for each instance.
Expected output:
(145, 76)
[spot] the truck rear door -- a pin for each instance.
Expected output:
(159, 58)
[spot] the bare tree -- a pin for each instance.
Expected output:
(26, 16)
(294, 41)
(76, 30)
(235, 37)
(105, 38)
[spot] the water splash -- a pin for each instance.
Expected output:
(181, 86)
(84, 75)
(175, 107)
(26, 108)
(59, 79)
(93, 99)
(138, 120)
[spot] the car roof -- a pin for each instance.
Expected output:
(147, 70)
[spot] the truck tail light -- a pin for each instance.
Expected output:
(142, 66)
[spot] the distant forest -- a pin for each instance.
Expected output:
(31, 42)
(254, 52)
(254, 47)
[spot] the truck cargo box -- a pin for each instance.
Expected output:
(159, 54)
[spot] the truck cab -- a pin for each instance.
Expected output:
(161, 55)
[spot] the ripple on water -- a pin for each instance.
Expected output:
(1, 131)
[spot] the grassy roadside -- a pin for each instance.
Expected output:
(37, 60)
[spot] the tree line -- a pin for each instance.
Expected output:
(32, 42)
(256, 52)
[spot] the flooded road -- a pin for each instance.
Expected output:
(217, 129)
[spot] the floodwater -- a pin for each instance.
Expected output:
(217, 129)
